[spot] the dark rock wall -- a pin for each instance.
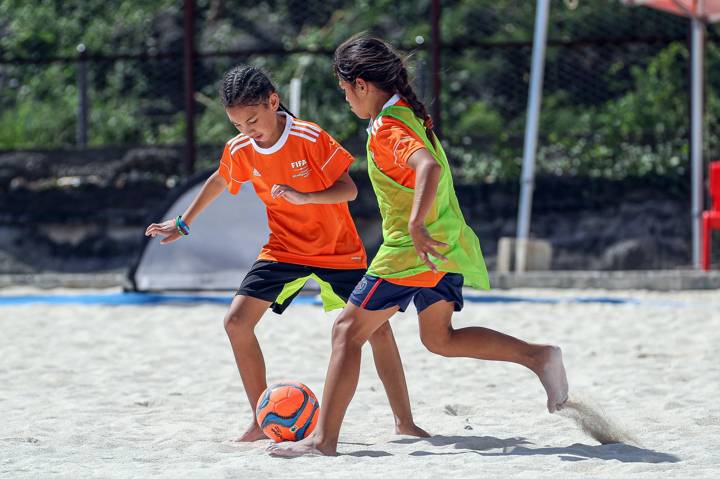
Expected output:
(90, 214)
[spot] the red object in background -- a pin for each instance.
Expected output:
(707, 10)
(711, 217)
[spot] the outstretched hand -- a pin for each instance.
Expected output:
(166, 229)
(426, 246)
(290, 194)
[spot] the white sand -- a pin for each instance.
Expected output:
(139, 391)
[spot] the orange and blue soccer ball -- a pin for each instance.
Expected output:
(287, 411)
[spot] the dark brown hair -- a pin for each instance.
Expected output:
(375, 61)
(247, 85)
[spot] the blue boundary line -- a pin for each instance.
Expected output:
(134, 298)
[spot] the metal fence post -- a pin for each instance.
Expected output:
(435, 50)
(697, 103)
(189, 64)
(295, 95)
(81, 126)
(527, 181)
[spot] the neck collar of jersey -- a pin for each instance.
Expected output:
(393, 99)
(281, 141)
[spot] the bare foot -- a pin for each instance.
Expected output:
(309, 446)
(252, 433)
(551, 372)
(411, 430)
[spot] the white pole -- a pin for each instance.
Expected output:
(295, 91)
(696, 131)
(531, 133)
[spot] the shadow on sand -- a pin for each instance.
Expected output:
(516, 446)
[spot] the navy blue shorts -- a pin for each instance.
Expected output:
(374, 294)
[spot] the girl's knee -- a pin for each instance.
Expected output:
(382, 334)
(341, 329)
(437, 342)
(236, 323)
(345, 333)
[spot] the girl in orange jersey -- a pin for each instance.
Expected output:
(428, 251)
(301, 174)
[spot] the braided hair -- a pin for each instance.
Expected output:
(375, 61)
(247, 85)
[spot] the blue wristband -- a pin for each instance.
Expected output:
(182, 227)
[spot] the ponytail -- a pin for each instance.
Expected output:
(284, 108)
(405, 89)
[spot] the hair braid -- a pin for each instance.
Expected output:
(405, 89)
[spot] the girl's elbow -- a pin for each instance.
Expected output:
(350, 189)
(217, 179)
(432, 168)
(352, 192)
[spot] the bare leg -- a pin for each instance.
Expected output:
(352, 329)
(438, 335)
(390, 369)
(240, 322)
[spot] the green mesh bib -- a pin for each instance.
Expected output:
(397, 257)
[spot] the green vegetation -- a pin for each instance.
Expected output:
(613, 106)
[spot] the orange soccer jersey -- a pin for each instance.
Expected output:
(392, 144)
(307, 159)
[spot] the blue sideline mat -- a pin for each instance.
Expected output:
(133, 298)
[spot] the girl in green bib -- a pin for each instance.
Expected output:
(428, 251)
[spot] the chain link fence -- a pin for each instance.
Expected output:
(616, 78)
(616, 90)
(94, 110)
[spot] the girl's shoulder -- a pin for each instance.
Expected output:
(237, 143)
(385, 127)
(308, 133)
(306, 125)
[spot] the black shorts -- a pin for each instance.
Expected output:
(280, 283)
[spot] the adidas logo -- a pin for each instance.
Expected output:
(256, 172)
